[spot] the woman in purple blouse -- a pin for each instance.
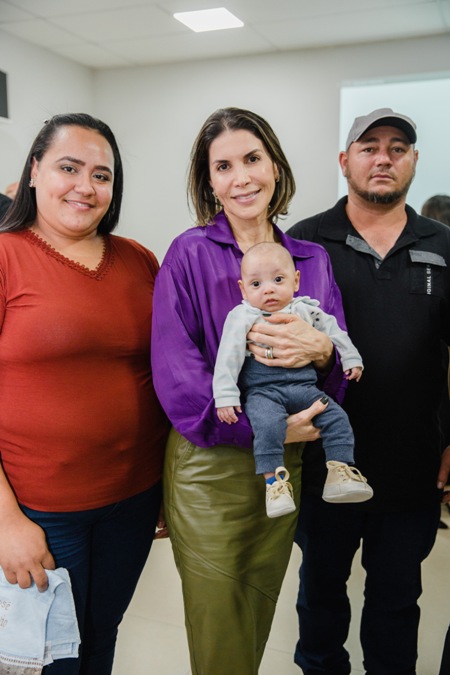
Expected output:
(230, 556)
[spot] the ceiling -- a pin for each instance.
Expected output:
(115, 33)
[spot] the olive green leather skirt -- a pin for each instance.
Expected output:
(231, 557)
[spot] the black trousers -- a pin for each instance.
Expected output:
(445, 663)
(393, 548)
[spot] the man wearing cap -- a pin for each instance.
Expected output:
(393, 269)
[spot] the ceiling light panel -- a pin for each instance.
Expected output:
(209, 19)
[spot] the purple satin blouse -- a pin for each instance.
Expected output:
(195, 289)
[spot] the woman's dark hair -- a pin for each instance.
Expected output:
(438, 208)
(199, 190)
(23, 209)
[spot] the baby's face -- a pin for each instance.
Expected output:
(268, 281)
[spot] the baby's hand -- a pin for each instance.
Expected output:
(354, 373)
(228, 415)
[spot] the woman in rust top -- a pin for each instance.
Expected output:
(81, 430)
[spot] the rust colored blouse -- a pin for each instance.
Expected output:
(80, 424)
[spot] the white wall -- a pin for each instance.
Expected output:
(156, 112)
(40, 84)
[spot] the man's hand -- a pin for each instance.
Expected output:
(444, 473)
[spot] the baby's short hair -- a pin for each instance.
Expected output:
(266, 247)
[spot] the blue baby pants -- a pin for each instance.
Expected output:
(271, 394)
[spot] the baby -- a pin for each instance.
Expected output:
(270, 394)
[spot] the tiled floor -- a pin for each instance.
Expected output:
(152, 638)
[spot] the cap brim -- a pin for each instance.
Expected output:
(396, 122)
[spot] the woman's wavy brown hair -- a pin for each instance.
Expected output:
(200, 193)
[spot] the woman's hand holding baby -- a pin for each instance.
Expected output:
(295, 343)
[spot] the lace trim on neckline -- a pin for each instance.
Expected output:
(99, 272)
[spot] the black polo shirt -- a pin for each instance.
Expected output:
(5, 203)
(398, 313)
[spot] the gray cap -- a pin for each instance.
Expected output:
(378, 118)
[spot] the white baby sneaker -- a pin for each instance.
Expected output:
(279, 499)
(345, 484)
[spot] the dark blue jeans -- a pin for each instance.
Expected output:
(105, 551)
(393, 547)
(445, 662)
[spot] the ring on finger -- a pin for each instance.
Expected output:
(269, 353)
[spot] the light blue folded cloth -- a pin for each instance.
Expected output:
(37, 628)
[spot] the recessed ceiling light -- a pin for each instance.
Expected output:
(209, 19)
